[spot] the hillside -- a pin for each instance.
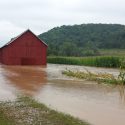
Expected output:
(84, 39)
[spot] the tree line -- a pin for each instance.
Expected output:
(84, 39)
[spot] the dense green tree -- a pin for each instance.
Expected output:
(69, 49)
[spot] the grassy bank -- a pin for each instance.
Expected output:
(102, 61)
(99, 77)
(26, 111)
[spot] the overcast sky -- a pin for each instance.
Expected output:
(42, 15)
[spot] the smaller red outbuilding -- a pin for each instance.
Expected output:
(25, 49)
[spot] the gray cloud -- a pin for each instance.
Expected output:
(42, 15)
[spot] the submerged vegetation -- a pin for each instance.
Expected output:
(26, 111)
(100, 77)
(100, 61)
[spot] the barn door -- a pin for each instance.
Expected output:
(28, 61)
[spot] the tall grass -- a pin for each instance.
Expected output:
(102, 61)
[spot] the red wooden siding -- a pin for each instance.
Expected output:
(27, 49)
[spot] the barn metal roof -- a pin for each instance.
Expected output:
(13, 39)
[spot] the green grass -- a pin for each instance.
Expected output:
(112, 52)
(4, 120)
(26, 111)
(99, 61)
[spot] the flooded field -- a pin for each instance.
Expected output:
(96, 103)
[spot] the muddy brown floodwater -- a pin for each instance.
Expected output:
(98, 104)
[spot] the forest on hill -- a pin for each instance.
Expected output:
(84, 39)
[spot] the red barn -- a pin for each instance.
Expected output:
(25, 49)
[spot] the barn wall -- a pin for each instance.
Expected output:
(0, 56)
(27, 48)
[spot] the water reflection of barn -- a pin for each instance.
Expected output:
(26, 49)
(28, 79)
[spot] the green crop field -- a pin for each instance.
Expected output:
(98, 61)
